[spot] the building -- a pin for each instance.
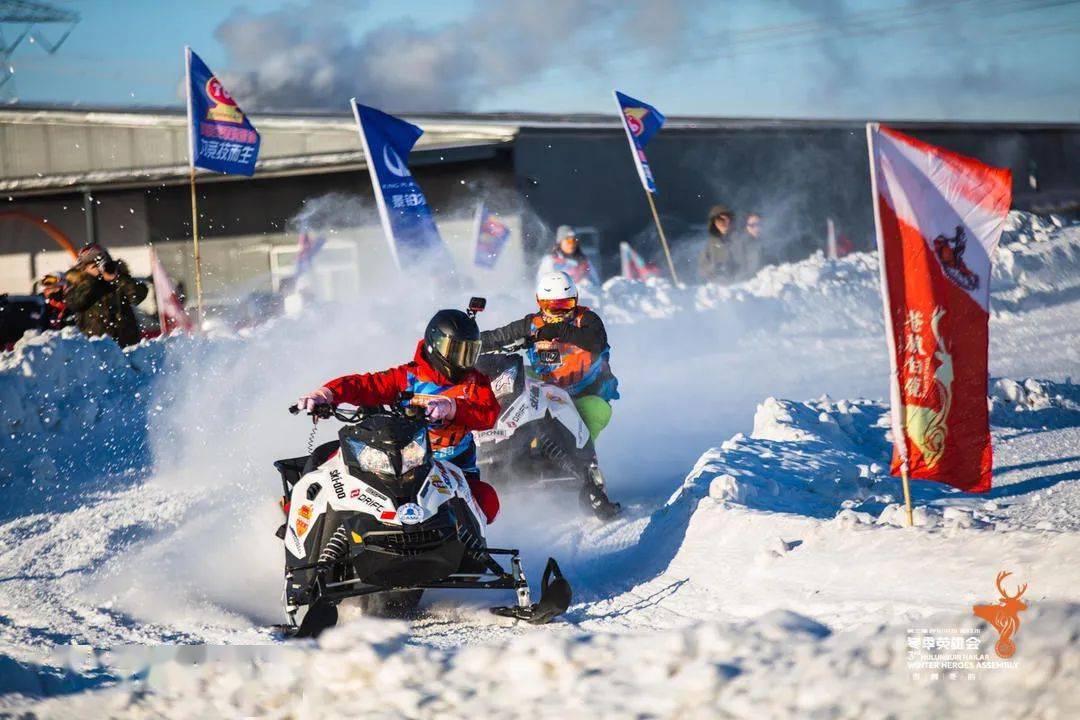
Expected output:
(120, 177)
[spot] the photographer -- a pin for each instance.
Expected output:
(103, 296)
(53, 287)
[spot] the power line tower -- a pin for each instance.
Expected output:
(27, 16)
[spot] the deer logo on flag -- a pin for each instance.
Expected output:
(950, 251)
(1005, 616)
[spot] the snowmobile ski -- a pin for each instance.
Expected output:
(555, 597)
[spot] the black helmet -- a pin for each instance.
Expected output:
(452, 343)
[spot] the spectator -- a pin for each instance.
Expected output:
(568, 257)
(104, 296)
(717, 261)
(53, 288)
(746, 248)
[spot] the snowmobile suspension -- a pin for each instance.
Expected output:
(552, 450)
(336, 547)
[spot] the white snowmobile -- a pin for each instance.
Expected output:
(539, 436)
(373, 514)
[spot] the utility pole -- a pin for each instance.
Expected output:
(26, 16)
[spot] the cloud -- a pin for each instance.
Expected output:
(304, 55)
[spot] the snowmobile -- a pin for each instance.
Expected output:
(374, 514)
(539, 437)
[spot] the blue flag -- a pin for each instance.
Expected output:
(641, 121)
(492, 235)
(221, 138)
(406, 216)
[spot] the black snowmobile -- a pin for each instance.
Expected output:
(539, 436)
(374, 515)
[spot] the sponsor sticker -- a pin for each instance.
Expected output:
(368, 500)
(301, 527)
(297, 546)
(410, 514)
(305, 512)
(354, 493)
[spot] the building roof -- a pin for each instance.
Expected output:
(45, 150)
(50, 149)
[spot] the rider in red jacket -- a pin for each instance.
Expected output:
(457, 398)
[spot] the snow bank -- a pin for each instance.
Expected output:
(1037, 263)
(74, 410)
(712, 669)
(67, 402)
(789, 296)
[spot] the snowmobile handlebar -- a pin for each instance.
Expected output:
(325, 412)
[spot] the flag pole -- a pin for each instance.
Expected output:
(663, 239)
(645, 187)
(907, 493)
(194, 201)
(895, 406)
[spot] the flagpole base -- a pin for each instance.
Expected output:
(907, 494)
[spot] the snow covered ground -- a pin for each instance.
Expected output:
(761, 569)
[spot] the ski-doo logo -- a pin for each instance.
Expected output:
(950, 252)
(534, 396)
(339, 487)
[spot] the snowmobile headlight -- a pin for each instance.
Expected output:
(371, 459)
(414, 454)
(375, 461)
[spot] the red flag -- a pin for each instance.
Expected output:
(939, 217)
(171, 313)
(633, 266)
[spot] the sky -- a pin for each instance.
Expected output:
(1003, 60)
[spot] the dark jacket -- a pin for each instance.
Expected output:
(106, 307)
(586, 331)
(717, 259)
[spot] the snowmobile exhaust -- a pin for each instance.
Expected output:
(555, 597)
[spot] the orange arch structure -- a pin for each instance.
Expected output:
(51, 230)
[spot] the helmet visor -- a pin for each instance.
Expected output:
(560, 306)
(458, 353)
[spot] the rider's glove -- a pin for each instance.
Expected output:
(322, 396)
(440, 409)
(550, 331)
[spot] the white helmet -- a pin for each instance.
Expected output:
(555, 286)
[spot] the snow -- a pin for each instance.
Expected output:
(763, 566)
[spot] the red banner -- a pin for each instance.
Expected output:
(171, 312)
(939, 217)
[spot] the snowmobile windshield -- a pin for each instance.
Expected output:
(459, 353)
